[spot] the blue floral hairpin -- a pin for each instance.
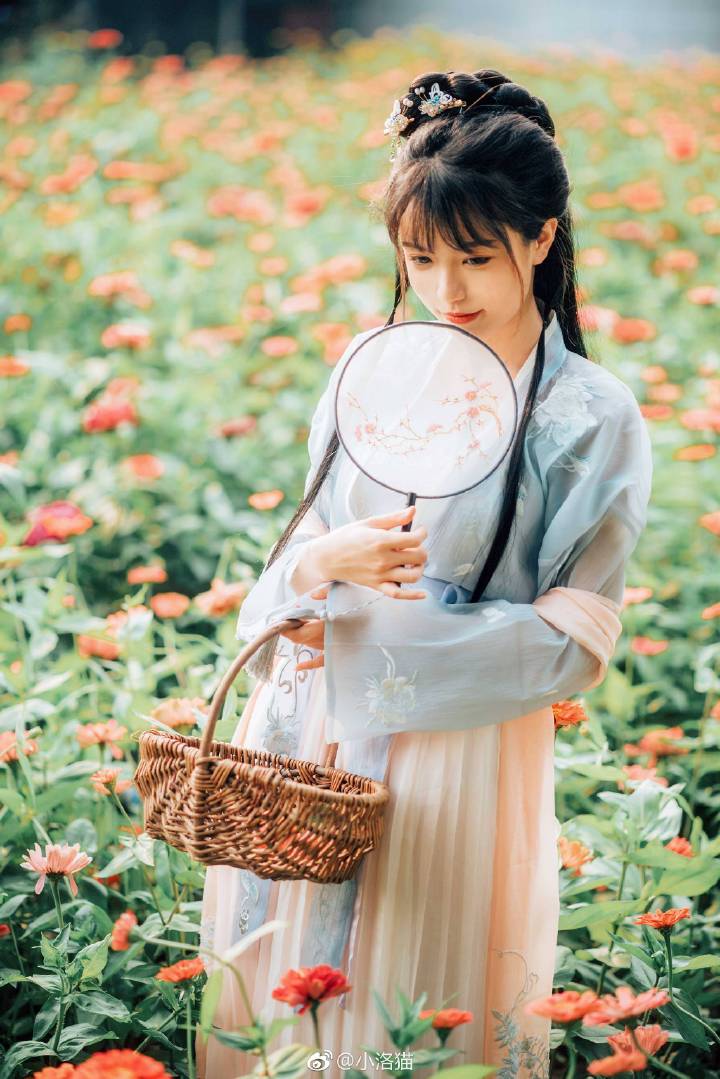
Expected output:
(437, 101)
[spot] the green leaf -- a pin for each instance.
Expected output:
(11, 977)
(14, 801)
(210, 998)
(93, 958)
(74, 1039)
(8, 908)
(103, 1004)
(32, 1051)
(696, 877)
(599, 913)
(688, 1027)
(468, 1071)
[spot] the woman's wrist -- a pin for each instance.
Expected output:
(312, 567)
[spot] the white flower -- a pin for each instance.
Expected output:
(389, 699)
(564, 414)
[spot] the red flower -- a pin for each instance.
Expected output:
(663, 920)
(107, 413)
(169, 604)
(56, 521)
(623, 1004)
(565, 1007)
(568, 714)
(681, 846)
(310, 986)
(619, 1063)
(182, 971)
(120, 938)
(104, 39)
(4, 930)
(447, 1019)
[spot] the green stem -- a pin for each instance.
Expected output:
(668, 949)
(59, 1024)
(621, 885)
(56, 897)
(150, 1036)
(188, 1032)
(17, 949)
(572, 1061)
(316, 1025)
(148, 879)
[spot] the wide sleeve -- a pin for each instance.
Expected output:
(271, 595)
(426, 665)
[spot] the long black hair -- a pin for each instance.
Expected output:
(472, 171)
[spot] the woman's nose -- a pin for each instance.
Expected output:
(451, 290)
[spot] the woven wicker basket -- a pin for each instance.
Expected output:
(281, 818)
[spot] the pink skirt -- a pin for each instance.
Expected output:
(460, 900)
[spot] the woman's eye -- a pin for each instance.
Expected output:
(422, 260)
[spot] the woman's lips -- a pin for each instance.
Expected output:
(463, 318)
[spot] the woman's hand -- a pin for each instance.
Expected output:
(312, 634)
(368, 552)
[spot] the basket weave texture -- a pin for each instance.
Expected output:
(281, 818)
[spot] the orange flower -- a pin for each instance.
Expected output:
(574, 854)
(679, 260)
(123, 283)
(59, 860)
(152, 574)
(63, 1071)
(96, 646)
(681, 846)
(222, 598)
(266, 500)
(656, 412)
(711, 612)
(636, 595)
(179, 711)
(199, 257)
(107, 413)
(711, 521)
(56, 521)
(259, 242)
(699, 452)
(565, 1007)
(642, 196)
(649, 1038)
(637, 772)
(299, 302)
(105, 781)
(181, 971)
(704, 295)
(623, 1004)
(659, 742)
(653, 373)
(648, 646)
(15, 323)
(120, 1064)
(11, 367)
(310, 986)
(169, 604)
(237, 428)
(126, 335)
(629, 330)
(273, 265)
(447, 1018)
(144, 466)
(279, 346)
(104, 39)
(618, 1063)
(94, 734)
(568, 714)
(663, 920)
(8, 746)
(701, 419)
(121, 930)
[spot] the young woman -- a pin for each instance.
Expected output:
(512, 591)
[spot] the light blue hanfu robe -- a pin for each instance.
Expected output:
(441, 663)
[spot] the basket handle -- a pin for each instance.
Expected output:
(218, 700)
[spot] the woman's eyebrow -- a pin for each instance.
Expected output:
(469, 247)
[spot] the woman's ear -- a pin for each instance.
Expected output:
(545, 240)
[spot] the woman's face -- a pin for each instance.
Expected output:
(481, 283)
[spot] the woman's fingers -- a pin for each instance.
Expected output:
(394, 592)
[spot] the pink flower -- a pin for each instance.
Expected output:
(59, 860)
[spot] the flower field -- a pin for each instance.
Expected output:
(189, 244)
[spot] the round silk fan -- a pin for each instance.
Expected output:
(425, 409)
